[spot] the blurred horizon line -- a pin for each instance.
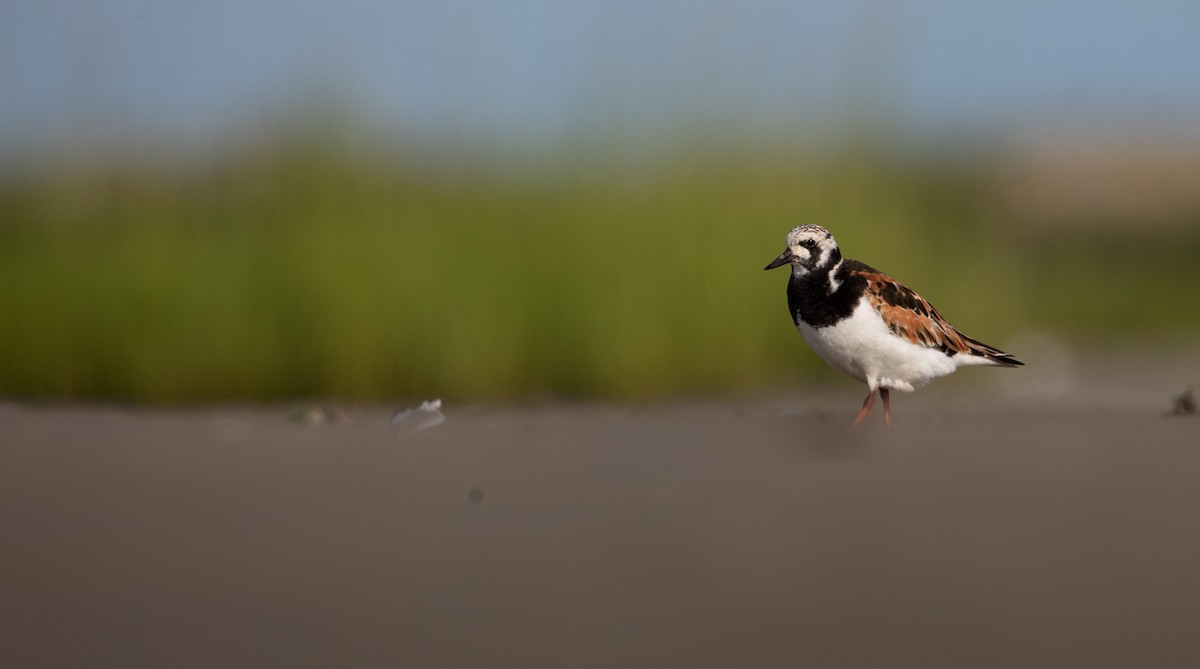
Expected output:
(345, 129)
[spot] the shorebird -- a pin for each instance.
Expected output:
(870, 326)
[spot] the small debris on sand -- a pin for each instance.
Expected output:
(1187, 404)
(427, 415)
(320, 414)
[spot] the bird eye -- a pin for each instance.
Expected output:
(809, 243)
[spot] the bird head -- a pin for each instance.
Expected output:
(809, 248)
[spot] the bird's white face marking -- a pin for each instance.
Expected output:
(811, 247)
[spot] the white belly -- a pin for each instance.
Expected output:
(863, 347)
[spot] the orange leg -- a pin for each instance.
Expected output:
(868, 404)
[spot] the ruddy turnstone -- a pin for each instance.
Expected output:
(870, 326)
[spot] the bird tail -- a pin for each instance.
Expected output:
(992, 354)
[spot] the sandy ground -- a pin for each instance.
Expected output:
(989, 528)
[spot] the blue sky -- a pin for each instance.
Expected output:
(535, 70)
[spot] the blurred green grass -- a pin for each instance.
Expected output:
(299, 272)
